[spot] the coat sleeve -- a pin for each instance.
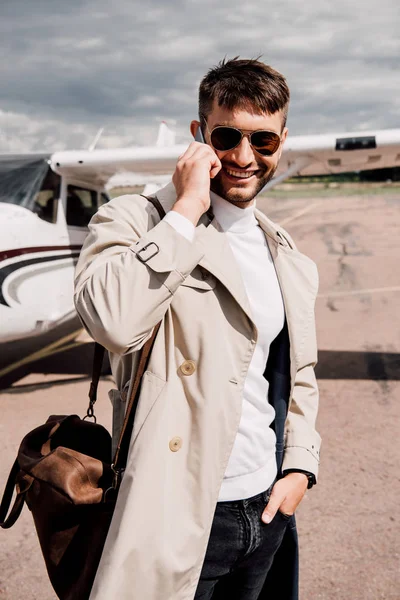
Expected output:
(302, 441)
(129, 268)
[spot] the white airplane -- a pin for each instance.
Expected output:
(47, 201)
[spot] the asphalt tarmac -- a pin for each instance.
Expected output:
(348, 523)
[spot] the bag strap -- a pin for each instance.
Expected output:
(6, 500)
(98, 357)
(157, 204)
(121, 453)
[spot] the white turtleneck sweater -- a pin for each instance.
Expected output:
(252, 466)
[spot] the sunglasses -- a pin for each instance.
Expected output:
(225, 138)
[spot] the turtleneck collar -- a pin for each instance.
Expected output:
(232, 218)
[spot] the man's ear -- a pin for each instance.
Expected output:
(194, 125)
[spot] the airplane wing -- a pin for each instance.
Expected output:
(98, 166)
(340, 153)
(302, 155)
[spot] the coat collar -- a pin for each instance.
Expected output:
(167, 197)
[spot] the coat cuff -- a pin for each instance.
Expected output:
(164, 250)
(300, 454)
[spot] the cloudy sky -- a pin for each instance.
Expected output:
(69, 68)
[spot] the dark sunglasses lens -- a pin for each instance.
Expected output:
(265, 142)
(225, 138)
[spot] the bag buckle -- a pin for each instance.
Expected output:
(90, 412)
(110, 493)
(117, 475)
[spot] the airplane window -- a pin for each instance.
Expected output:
(30, 183)
(81, 205)
(46, 200)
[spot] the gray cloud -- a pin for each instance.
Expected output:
(70, 68)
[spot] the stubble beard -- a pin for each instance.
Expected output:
(233, 195)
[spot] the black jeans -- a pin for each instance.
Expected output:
(240, 550)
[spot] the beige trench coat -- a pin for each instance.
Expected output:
(133, 272)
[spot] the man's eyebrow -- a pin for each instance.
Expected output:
(227, 124)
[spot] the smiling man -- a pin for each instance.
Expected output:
(224, 444)
(244, 172)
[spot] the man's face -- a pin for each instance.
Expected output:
(244, 172)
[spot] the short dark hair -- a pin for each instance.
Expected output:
(244, 83)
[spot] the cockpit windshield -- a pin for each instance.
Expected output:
(29, 182)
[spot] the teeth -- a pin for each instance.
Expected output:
(241, 174)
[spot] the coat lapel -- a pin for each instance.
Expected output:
(220, 261)
(298, 279)
(218, 258)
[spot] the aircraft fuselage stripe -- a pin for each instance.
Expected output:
(5, 254)
(8, 269)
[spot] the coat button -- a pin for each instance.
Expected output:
(188, 367)
(175, 444)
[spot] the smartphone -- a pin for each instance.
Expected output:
(199, 136)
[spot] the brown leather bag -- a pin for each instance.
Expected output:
(64, 473)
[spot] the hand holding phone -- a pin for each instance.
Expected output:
(192, 177)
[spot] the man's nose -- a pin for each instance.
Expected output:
(243, 154)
